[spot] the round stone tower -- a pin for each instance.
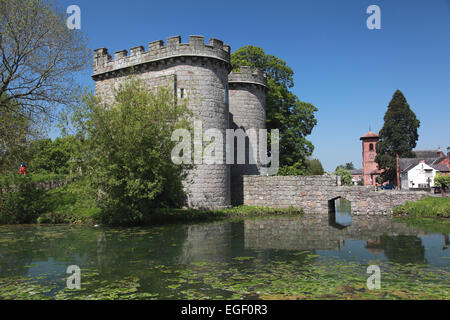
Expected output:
(196, 71)
(247, 99)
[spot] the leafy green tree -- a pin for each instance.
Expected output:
(39, 57)
(284, 111)
(346, 166)
(308, 167)
(314, 167)
(49, 156)
(127, 148)
(297, 169)
(345, 174)
(397, 137)
(16, 131)
(20, 200)
(442, 181)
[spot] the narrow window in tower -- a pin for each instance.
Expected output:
(371, 147)
(181, 93)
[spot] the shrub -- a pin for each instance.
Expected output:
(308, 167)
(442, 181)
(20, 201)
(128, 148)
(345, 174)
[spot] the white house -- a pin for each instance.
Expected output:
(419, 176)
(419, 172)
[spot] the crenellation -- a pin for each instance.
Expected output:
(136, 51)
(120, 54)
(216, 43)
(197, 41)
(155, 45)
(100, 52)
(248, 75)
(157, 53)
(173, 42)
(101, 58)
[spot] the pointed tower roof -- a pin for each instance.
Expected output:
(369, 134)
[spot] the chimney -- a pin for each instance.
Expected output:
(440, 153)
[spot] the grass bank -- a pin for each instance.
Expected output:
(431, 207)
(159, 216)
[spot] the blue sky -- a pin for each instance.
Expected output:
(346, 70)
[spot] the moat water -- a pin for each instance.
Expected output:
(258, 258)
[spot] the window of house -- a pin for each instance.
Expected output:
(371, 147)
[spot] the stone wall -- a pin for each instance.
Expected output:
(315, 194)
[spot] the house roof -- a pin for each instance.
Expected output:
(427, 153)
(369, 134)
(440, 167)
(407, 164)
(356, 171)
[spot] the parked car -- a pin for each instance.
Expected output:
(388, 187)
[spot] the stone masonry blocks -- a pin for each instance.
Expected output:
(313, 193)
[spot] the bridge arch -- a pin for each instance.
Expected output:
(339, 212)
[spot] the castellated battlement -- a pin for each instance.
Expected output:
(248, 75)
(216, 49)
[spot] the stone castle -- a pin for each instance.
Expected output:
(220, 98)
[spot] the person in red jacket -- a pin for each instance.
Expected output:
(23, 168)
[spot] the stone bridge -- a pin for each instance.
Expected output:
(315, 194)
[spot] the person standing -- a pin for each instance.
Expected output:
(23, 168)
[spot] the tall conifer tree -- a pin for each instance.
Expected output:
(398, 136)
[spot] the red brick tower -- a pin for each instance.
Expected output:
(370, 167)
